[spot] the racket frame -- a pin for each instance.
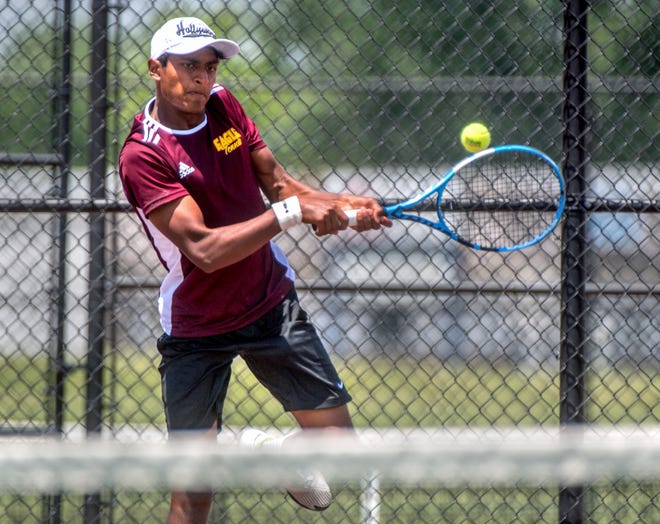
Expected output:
(398, 210)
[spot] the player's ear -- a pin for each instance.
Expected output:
(154, 68)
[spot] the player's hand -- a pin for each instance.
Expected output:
(326, 213)
(369, 214)
(325, 220)
(367, 219)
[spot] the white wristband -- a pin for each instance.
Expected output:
(288, 212)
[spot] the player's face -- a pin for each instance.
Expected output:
(184, 84)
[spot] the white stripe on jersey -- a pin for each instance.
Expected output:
(216, 88)
(150, 131)
(172, 257)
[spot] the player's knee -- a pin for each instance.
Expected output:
(189, 508)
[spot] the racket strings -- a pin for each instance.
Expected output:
(502, 200)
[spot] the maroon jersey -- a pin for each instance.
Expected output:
(212, 164)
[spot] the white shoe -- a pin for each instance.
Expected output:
(255, 438)
(313, 491)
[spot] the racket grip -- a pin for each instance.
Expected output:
(352, 216)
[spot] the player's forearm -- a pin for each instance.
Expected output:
(323, 210)
(222, 247)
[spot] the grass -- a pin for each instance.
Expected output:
(386, 392)
(623, 502)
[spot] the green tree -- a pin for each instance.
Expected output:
(384, 80)
(364, 81)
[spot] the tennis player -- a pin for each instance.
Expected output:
(194, 167)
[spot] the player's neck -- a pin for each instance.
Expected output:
(174, 119)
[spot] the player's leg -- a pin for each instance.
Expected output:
(336, 417)
(313, 491)
(295, 367)
(289, 359)
(189, 508)
(194, 378)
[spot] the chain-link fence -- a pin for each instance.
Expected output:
(367, 97)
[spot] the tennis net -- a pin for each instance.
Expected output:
(439, 457)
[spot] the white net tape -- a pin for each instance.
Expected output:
(578, 455)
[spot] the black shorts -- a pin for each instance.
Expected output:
(282, 349)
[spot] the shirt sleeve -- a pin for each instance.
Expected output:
(148, 181)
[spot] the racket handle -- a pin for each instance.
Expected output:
(352, 216)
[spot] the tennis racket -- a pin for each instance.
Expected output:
(504, 198)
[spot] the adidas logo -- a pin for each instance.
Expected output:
(185, 170)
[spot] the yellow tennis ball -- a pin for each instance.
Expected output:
(475, 137)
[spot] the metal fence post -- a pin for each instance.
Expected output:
(97, 271)
(573, 261)
(62, 145)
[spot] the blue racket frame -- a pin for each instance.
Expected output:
(398, 210)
